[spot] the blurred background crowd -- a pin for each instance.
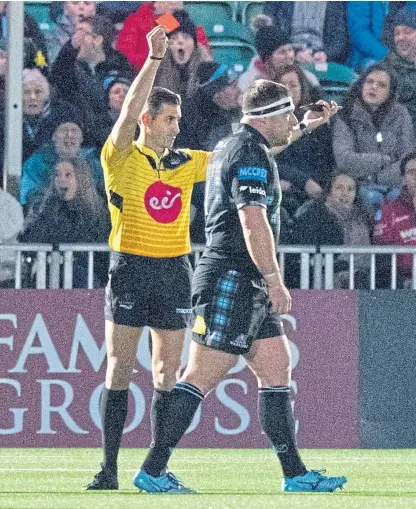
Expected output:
(352, 182)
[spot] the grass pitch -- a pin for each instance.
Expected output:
(225, 479)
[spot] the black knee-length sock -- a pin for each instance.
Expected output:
(113, 410)
(276, 419)
(185, 399)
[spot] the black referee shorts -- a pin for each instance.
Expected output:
(149, 291)
(231, 307)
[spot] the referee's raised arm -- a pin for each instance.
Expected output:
(124, 130)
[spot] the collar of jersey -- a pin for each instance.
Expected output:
(256, 135)
(150, 152)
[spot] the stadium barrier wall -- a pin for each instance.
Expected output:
(52, 365)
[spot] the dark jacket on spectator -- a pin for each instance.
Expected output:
(54, 221)
(310, 157)
(77, 83)
(335, 36)
(30, 31)
(406, 86)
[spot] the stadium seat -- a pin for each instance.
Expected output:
(240, 55)
(206, 13)
(335, 80)
(231, 43)
(40, 11)
(249, 10)
(230, 32)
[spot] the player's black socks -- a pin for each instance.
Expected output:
(159, 412)
(113, 410)
(276, 419)
(185, 399)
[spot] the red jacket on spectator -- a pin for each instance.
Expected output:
(396, 226)
(131, 40)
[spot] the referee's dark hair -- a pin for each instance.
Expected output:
(404, 162)
(262, 93)
(160, 96)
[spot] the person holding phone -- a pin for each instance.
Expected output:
(149, 187)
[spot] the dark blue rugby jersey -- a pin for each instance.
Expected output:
(241, 172)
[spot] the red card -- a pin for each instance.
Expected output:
(169, 21)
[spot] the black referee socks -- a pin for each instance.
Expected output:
(113, 411)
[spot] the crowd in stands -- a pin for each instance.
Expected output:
(349, 183)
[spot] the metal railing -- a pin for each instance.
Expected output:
(315, 266)
(330, 251)
(41, 251)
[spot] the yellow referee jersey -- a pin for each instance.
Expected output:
(150, 198)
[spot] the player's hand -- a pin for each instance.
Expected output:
(157, 41)
(315, 119)
(280, 297)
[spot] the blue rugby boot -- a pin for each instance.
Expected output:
(165, 483)
(313, 481)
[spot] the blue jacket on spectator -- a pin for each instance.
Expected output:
(365, 23)
(38, 170)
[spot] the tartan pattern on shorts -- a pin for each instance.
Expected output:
(222, 306)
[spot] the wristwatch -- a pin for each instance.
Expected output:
(304, 128)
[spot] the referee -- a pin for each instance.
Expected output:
(238, 292)
(149, 189)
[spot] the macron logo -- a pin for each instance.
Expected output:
(252, 173)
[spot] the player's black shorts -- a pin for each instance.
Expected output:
(149, 291)
(231, 307)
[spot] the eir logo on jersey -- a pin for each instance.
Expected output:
(163, 202)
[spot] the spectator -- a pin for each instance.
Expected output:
(11, 224)
(305, 166)
(71, 211)
(131, 40)
(208, 115)
(372, 134)
(336, 219)
(116, 88)
(178, 69)
(31, 32)
(82, 83)
(317, 29)
(402, 59)
(40, 113)
(66, 18)
(396, 221)
(274, 51)
(207, 118)
(66, 143)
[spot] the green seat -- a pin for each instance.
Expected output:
(335, 80)
(206, 13)
(231, 55)
(40, 11)
(250, 10)
(229, 32)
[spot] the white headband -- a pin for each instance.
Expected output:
(271, 109)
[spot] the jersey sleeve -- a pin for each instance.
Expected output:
(249, 174)
(112, 162)
(201, 159)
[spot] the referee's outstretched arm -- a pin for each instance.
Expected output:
(124, 130)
